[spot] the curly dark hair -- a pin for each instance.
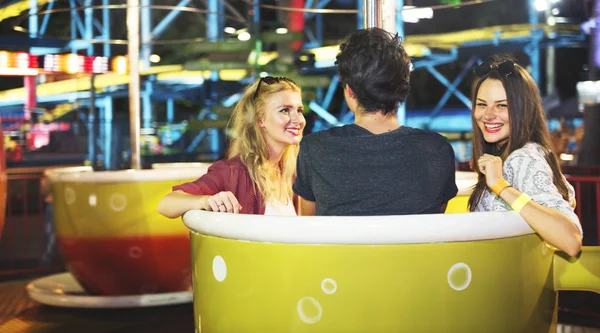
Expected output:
(377, 68)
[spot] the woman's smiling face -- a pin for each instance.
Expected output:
(491, 112)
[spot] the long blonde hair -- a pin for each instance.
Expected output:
(247, 140)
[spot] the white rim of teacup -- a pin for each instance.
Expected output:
(372, 230)
(69, 175)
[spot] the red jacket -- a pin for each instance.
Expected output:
(229, 175)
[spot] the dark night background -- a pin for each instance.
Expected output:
(571, 63)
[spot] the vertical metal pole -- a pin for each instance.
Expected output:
(319, 28)
(146, 51)
(107, 110)
(133, 36)
(106, 27)
(399, 20)
(73, 24)
(594, 62)
(399, 5)
(170, 110)
(42, 30)
(33, 18)
(146, 34)
(89, 25)
(256, 31)
(360, 16)
(550, 71)
(212, 33)
(93, 156)
(388, 15)
(108, 117)
(534, 47)
(372, 10)
(30, 82)
(88, 35)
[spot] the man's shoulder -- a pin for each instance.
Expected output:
(424, 135)
(320, 136)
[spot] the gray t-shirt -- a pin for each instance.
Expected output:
(348, 170)
(526, 170)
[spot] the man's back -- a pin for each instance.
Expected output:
(350, 171)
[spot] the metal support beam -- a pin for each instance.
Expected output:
(360, 16)
(213, 31)
(133, 34)
(170, 111)
(319, 29)
(372, 17)
(46, 19)
(464, 99)
(30, 82)
(320, 5)
(146, 51)
(89, 25)
(107, 109)
(399, 19)
(396, 6)
(315, 33)
(73, 23)
(146, 34)
(147, 102)
(88, 34)
(77, 29)
(33, 18)
(452, 88)
(107, 118)
(330, 91)
(324, 114)
(534, 48)
(164, 24)
(92, 134)
(106, 28)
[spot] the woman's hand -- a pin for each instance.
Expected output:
(224, 202)
(491, 167)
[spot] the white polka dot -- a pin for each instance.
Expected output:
(329, 286)
(135, 252)
(219, 268)
(309, 310)
(459, 276)
(69, 196)
(118, 202)
(92, 200)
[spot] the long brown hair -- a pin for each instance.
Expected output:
(527, 124)
(247, 140)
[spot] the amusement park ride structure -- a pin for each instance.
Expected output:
(231, 58)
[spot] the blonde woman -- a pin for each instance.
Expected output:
(257, 177)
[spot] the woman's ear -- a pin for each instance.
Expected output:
(260, 123)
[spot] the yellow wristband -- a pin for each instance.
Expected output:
(521, 201)
(499, 186)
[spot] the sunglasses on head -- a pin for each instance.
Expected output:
(505, 68)
(270, 80)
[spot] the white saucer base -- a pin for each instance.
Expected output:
(63, 290)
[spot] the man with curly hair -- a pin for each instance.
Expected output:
(374, 166)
